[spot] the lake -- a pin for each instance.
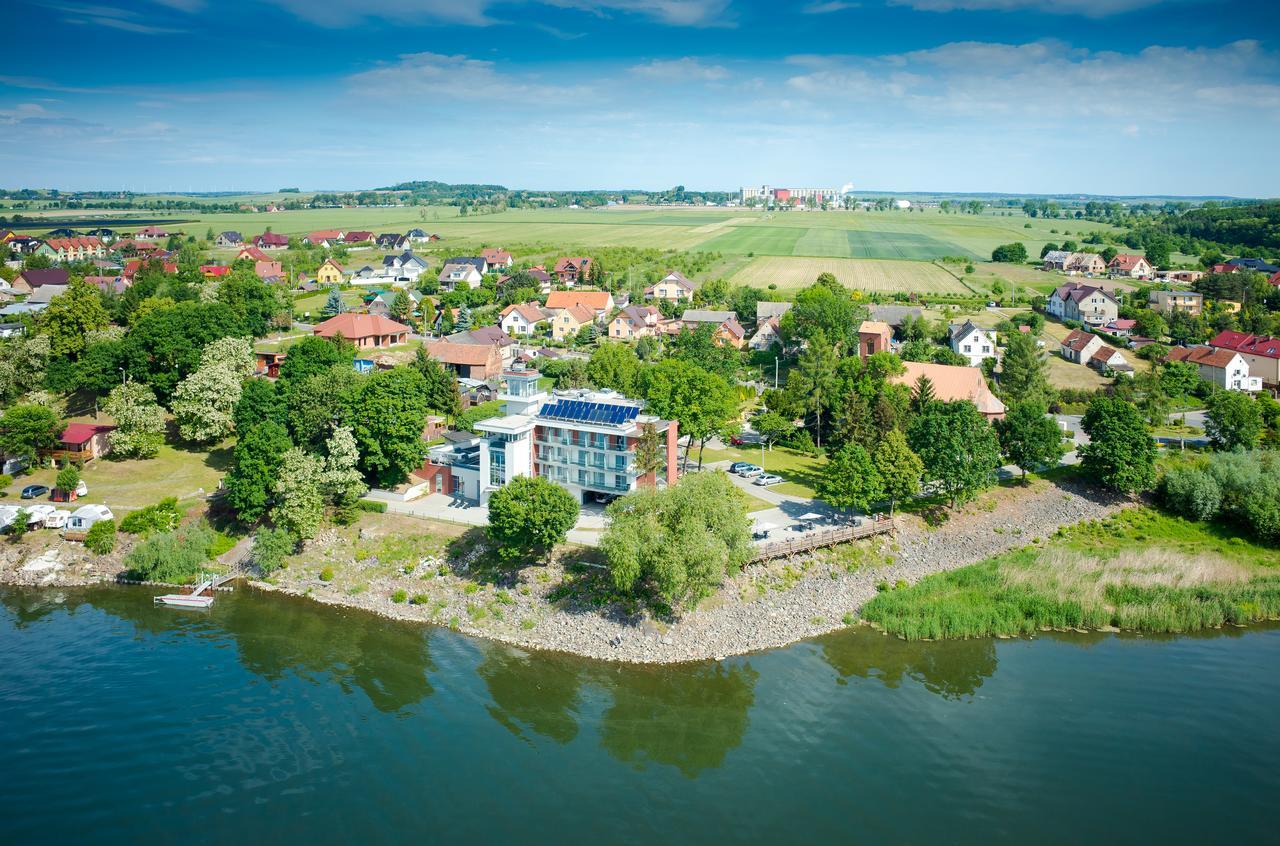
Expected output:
(276, 719)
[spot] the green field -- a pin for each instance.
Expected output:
(882, 235)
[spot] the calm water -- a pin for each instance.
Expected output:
(270, 720)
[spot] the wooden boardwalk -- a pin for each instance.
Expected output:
(817, 540)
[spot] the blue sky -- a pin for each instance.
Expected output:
(1033, 96)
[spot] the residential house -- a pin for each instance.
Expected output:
(455, 273)
(269, 271)
(1260, 352)
(364, 330)
(600, 302)
(972, 342)
(472, 361)
(230, 238)
(270, 241)
(403, 269)
(45, 294)
(392, 241)
(83, 442)
(492, 336)
(1168, 302)
(29, 280)
(417, 236)
(766, 310)
(1089, 264)
(1083, 303)
(72, 249)
(1110, 361)
(1121, 328)
(523, 318)
(251, 254)
(952, 383)
(766, 334)
(132, 267)
(1223, 367)
(103, 234)
(151, 233)
(873, 336)
(1134, 267)
(571, 270)
(108, 284)
(584, 441)
(324, 237)
(380, 302)
(496, 259)
(1254, 264)
(1184, 277)
(727, 328)
(566, 322)
(1079, 346)
(24, 245)
(358, 237)
(214, 271)
(1056, 259)
(330, 272)
(12, 330)
(673, 287)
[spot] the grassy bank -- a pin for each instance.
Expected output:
(1141, 570)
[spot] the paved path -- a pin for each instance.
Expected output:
(442, 507)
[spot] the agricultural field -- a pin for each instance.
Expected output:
(871, 275)
(899, 235)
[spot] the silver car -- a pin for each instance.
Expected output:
(766, 479)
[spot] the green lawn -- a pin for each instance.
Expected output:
(800, 471)
(173, 472)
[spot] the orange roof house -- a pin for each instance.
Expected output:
(952, 383)
(470, 361)
(364, 330)
(601, 302)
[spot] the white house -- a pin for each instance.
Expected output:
(454, 274)
(973, 343)
(85, 516)
(521, 318)
(1225, 368)
(766, 334)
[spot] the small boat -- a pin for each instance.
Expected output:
(198, 598)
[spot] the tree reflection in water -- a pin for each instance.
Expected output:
(951, 668)
(688, 715)
(538, 693)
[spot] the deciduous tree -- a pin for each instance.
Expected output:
(1233, 421)
(299, 497)
(139, 420)
(1121, 453)
(1029, 437)
(530, 515)
(850, 480)
(957, 446)
(900, 469)
(27, 429)
(258, 455)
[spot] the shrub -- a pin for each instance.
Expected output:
(400, 595)
(101, 537)
(68, 478)
(1191, 492)
(178, 556)
(420, 599)
(372, 505)
(326, 575)
(5, 481)
(164, 516)
(271, 547)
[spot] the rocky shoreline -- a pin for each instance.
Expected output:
(764, 607)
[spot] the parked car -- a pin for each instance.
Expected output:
(746, 471)
(739, 466)
(33, 491)
(767, 479)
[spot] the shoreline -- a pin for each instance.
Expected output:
(766, 606)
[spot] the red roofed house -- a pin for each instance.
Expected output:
(357, 237)
(251, 254)
(1225, 368)
(323, 237)
(497, 258)
(1079, 346)
(268, 270)
(108, 284)
(270, 241)
(82, 442)
(1261, 353)
(601, 302)
(571, 270)
(213, 271)
(673, 287)
(521, 318)
(132, 267)
(72, 249)
(873, 337)
(1119, 327)
(151, 233)
(364, 330)
(1125, 264)
(1275, 278)
(952, 383)
(1084, 303)
(469, 361)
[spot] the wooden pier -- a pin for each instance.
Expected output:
(817, 540)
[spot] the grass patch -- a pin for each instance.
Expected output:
(1141, 570)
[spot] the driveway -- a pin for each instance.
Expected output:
(591, 520)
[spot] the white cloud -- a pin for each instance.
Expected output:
(826, 8)
(111, 17)
(339, 13)
(1090, 8)
(681, 70)
(459, 78)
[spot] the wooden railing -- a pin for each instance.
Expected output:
(817, 540)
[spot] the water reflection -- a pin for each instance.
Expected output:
(687, 716)
(952, 669)
(277, 635)
(538, 693)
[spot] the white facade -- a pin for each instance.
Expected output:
(974, 344)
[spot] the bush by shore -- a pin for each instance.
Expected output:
(1140, 570)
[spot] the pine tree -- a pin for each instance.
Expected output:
(1024, 370)
(334, 305)
(463, 323)
(402, 306)
(922, 395)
